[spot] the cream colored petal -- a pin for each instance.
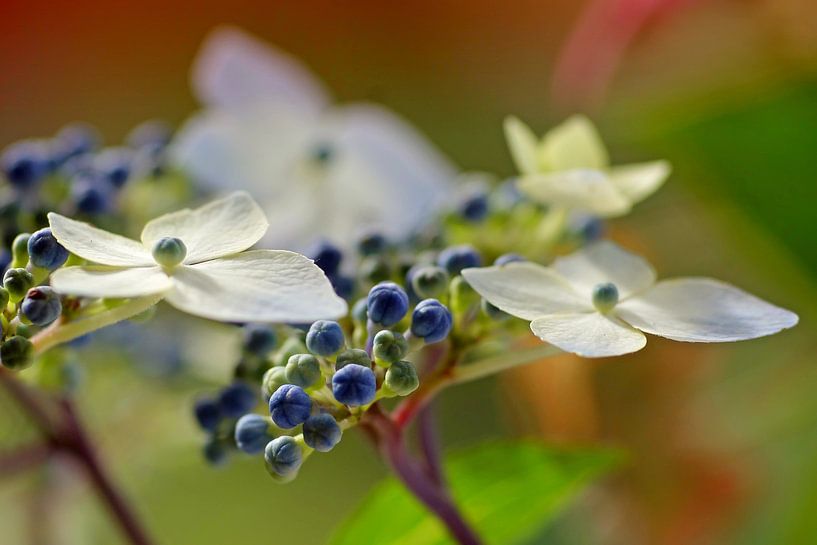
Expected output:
(582, 189)
(523, 145)
(603, 262)
(590, 335)
(574, 144)
(256, 286)
(220, 228)
(641, 180)
(97, 245)
(110, 282)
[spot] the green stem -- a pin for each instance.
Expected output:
(497, 364)
(64, 331)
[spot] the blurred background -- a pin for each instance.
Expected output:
(723, 439)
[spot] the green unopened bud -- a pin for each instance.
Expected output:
(290, 347)
(401, 378)
(19, 250)
(430, 282)
(353, 355)
(4, 298)
(17, 353)
(274, 378)
(463, 296)
(303, 370)
(375, 269)
(389, 347)
(605, 297)
(17, 282)
(169, 251)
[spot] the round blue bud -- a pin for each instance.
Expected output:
(44, 251)
(114, 165)
(353, 355)
(41, 305)
(259, 339)
(429, 281)
(169, 251)
(327, 256)
(24, 163)
(321, 432)
(401, 378)
(90, 196)
(389, 347)
(360, 312)
(387, 304)
(605, 297)
(283, 456)
(322, 153)
(208, 413)
(588, 227)
(371, 243)
(324, 338)
(474, 208)
(215, 452)
(303, 370)
(252, 433)
(456, 258)
(504, 259)
(343, 285)
(76, 139)
(431, 321)
(354, 385)
(289, 406)
(17, 352)
(238, 399)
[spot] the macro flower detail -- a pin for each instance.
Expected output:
(601, 300)
(570, 168)
(195, 259)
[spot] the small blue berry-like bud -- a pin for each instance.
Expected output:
(114, 165)
(431, 321)
(401, 378)
(252, 433)
(321, 432)
(283, 456)
(456, 258)
(371, 243)
(41, 305)
(504, 259)
(17, 353)
(343, 285)
(387, 304)
(429, 281)
(588, 227)
(169, 251)
(208, 413)
(354, 385)
(353, 355)
(17, 282)
(605, 297)
(303, 370)
(90, 196)
(289, 406)
(238, 399)
(474, 207)
(324, 338)
(259, 339)
(215, 452)
(389, 347)
(44, 251)
(76, 139)
(274, 378)
(360, 312)
(24, 164)
(327, 256)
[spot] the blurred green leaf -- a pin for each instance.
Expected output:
(508, 490)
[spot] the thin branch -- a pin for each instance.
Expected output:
(429, 444)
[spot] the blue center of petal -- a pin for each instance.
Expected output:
(605, 297)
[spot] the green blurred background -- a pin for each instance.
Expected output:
(723, 439)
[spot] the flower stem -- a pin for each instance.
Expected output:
(429, 443)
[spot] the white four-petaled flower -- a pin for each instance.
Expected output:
(212, 277)
(570, 168)
(601, 300)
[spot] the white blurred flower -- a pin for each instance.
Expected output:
(569, 168)
(319, 170)
(598, 301)
(209, 274)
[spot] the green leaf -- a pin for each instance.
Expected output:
(509, 491)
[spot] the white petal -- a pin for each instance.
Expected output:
(97, 245)
(606, 262)
(641, 180)
(526, 290)
(234, 69)
(574, 144)
(591, 335)
(580, 189)
(108, 282)
(523, 145)
(222, 227)
(256, 286)
(703, 310)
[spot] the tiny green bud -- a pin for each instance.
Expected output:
(463, 296)
(4, 298)
(290, 347)
(17, 353)
(19, 250)
(303, 370)
(353, 355)
(274, 378)
(605, 297)
(375, 269)
(430, 282)
(169, 251)
(389, 347)
(17, 282)
(401, 378)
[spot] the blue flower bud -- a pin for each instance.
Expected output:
(114, 166)
(321, 432)
(327, 256)
(169, 251)
(17, 353)
(215, 452)
(387, 304)
(154, 134)
(354, 385)
(289, 406)
(343, 285)
(324, 338)
(504, 259)
(605, 297)
(303, 370)
(75, 139)
(259, 339)
(90, 196)
(371, 243)
(238, 399)
(252, 433)
(429, 281)
(353, 355)
(41, 305)
(587, 227)
(44, 251)
(17, 282)
(208, 413)
(456, 258)
(389, 347)
(274, 378)
(24, 163)
(360, 312)
(431, 321)
(283, 456)
(474, 207)
(401, 378)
